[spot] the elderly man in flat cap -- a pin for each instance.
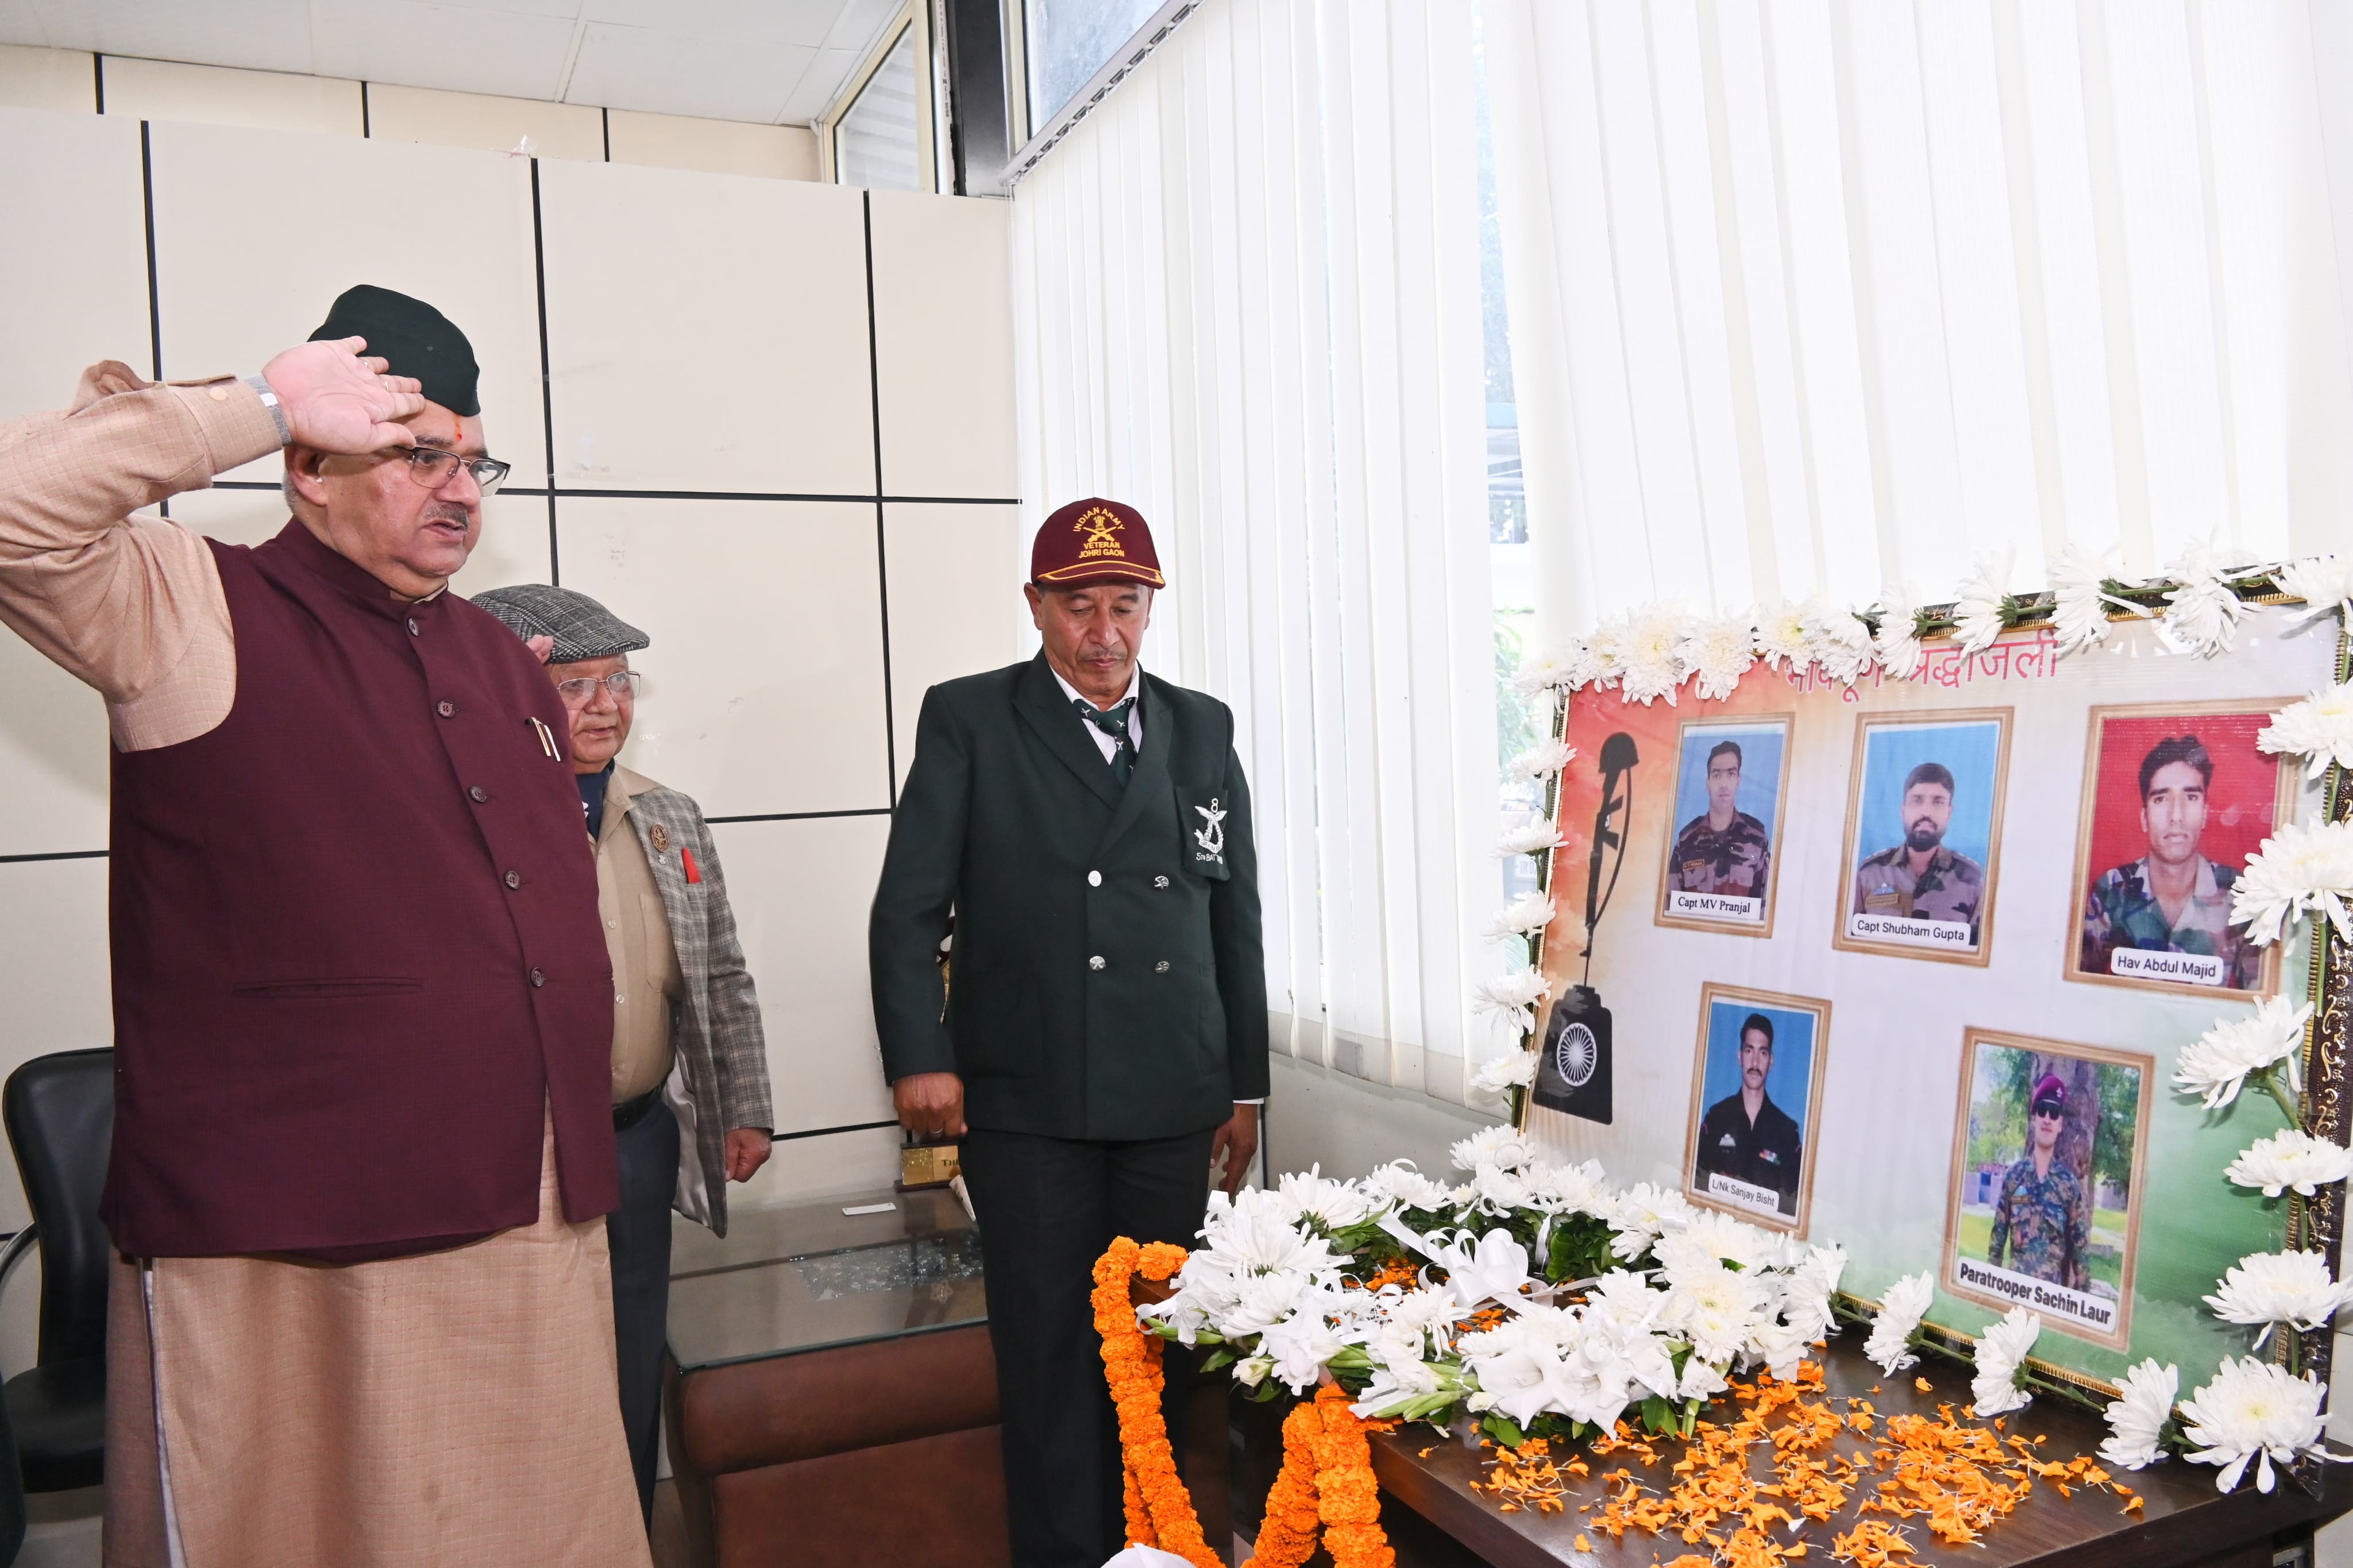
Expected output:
(1104, 1040)
(363, 1149)
(687, 1049)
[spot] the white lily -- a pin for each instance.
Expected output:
(1492, 1268)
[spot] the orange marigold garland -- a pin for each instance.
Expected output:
(1159, 1509)
(1286, 1536)
(1347, 1499)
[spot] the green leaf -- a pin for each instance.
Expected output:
(1504, 1429)
(1224, 1356)
(1265, 1391)
(1658, 1417)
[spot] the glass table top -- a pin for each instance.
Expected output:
(789, 1280)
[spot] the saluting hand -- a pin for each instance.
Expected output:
(337, 400)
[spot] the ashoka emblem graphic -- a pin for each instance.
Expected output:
(1573, 1054)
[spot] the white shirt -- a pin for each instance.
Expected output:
(1109, 747)
(1104, 743)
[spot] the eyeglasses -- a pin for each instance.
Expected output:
(2051, 1113)
(580, 693)
(431, 466)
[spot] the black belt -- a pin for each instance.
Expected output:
(629, 1112)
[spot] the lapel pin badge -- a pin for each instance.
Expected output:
(659, 837)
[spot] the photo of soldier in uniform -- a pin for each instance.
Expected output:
(2174, 803)
(1757, 1087)
(1924, 823)
(2046, 1169)
(1728, 787)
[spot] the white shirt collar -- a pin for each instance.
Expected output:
(1134, 684)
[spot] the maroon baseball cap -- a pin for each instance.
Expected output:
(1094, 541)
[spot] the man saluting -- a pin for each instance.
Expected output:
(1104, 1034)
(361, 1149)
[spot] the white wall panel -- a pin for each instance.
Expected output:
(227, 303)
(944, 345)
(52, 754)
(478, 120)
(955, 576)
(512, 548)
(764, 689)
(53, 930)
(46, 78)
(262, 100)
(707, 331)
(80, 293)
(713, 146)
(801, 890)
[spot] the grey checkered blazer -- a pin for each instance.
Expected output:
(720, 1079)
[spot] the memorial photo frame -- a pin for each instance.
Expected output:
(2190, 771)
(1700, 872)
(1737, 1164)
(1902, 764)
(2025, 1206)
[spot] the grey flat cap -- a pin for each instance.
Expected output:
(582, 627)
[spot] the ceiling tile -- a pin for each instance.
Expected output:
(257, 34)
(567, 9)
(469, 49)
(757, 22)
(820, 83)
(20, 24)
(860, 24)
(637, 68)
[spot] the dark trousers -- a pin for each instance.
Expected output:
(638, 1233)
(1047, 1207)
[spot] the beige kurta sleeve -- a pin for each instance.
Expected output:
(131, 606)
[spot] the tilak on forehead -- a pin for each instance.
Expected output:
(415, 338)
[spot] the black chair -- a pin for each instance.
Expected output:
(59, 1114)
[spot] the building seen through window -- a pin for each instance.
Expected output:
(1067, 41)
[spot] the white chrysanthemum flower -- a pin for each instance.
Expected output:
(1711, 1240)
(1653, 636)
(2136, 1421)
(2080, 603)
(1541, 761)
(1503, 1147)
(1782, 634)
(1521, 917)
(1716, 651)
(1512, 996)
(1605, 651)
(1976, 614)
(1534, 837)
(1300, 1345)
(1503, 1074)
(1497, 1192)
(2319, 729)
(2254, 1411)
(1645, 1212)
(1897, 641)
(1409, 1189)
(1550, 671)
(2323, 582)
(1568, 1189)
(2201, 614)
(1332, 1203)
(1717, 1310)
(1837, 643)
(2273, 1287)
(2305, 868)
(2001, 1352)
(2291, 1160)
(1807, 1291)
(2215, 1066)
(1905, 1303)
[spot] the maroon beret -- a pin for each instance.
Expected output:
(1094, 541)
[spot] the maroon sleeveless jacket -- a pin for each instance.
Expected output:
(355, 937)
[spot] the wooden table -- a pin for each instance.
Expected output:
(2185, 1522)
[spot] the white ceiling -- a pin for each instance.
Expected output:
(766, 61)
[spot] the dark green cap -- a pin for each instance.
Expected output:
(417, 339)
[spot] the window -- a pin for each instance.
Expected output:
(882, 130)
(1065, 42)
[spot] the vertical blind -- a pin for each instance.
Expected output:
(1815, 295)
(1248, 302)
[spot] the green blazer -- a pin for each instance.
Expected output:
(1109, 980)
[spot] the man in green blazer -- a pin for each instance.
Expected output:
(1103, 1041)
